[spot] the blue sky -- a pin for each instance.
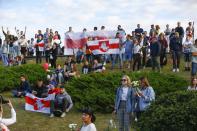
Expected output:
(60, 14)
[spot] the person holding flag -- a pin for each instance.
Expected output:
(39, 49)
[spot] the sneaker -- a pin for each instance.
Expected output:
(177, 70)
(174, 70)
(63, 115)
(135, 119)
(52, 115)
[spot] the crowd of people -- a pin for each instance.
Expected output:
(138, 50)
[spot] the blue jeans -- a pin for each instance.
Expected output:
(5, 59)
(194, 68)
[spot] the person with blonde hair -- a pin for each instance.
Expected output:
(123, 103)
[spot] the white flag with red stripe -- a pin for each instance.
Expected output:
(107, 46)
(74, 41)
(33, 103)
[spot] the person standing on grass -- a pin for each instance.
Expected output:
(136, 54)
(123, 103)
(180, 30)
(88, 119)
(39, 49)
(128, 51)
(194, 58)
(164, 45)
(176, 49)
(155, 48)
(187, 52)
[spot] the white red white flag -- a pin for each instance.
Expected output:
(74, 41)
(107, 46)
(33, 103)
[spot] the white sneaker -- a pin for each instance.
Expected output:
(174, 70)
(177, 70)
(63, 115)
(52, 115)
(136, 119)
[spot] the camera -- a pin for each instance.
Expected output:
(2, 100)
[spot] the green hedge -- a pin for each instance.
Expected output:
(97, 90)
(9, 76)
(176, 111)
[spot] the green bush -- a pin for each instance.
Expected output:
(175, 111)
(9, 76)
(97, 90)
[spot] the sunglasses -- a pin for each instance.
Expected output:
(123, 80)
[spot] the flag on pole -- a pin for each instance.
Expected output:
(108, 46)
(33, 103)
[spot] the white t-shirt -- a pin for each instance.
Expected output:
(90, 127)
(136, 49)
(124, 93)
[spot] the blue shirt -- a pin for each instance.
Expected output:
(128, 47)
(145, 101)
(129, 101)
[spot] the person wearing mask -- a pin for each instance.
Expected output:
(123, 103)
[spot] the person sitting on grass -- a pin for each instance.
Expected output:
(62, 103)
(97, 67)
(4, 122)
(86, 68)
(40, 90)
(59, 74)
(72, 73)
(23, 88)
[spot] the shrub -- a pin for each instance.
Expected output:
(9, 77)
(97, 90)
(171, 112)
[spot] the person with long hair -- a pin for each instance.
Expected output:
(123, 103)
(145, 95)
(193, 85)
(88, 119)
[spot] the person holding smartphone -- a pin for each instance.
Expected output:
(145, 95)
(4, 122)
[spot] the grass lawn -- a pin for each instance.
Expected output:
(31, 121)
